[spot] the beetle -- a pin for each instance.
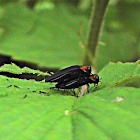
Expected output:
(76, 83)
(70, 73)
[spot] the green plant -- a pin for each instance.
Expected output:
(30, 110)
(110, 111)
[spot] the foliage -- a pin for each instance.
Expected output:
(110, 112)
(50, 35)
(16, 70)
(39, 38)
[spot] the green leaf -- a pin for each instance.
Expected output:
(120, 38)
(43, 5)
(116, 46)
(39, 38)
(12, 68)
(109, 113)
(120, 74)
(50, 39)
(99, 116)
(1, 12)
(33, 116)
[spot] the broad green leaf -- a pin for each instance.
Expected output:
(37, 114)
(109, 113)
(133, 12)
(116, 47)
(101, 116)
(48, 39)
(12, 68)
(120, 74)
(120, 36)
(95, 116)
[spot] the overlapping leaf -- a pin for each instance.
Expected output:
(12, 68)
(121, 74)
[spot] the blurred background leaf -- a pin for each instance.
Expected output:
(49, 38)
(46, 32)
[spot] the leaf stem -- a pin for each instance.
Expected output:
(96, 22)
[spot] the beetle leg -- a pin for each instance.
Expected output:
(74, 93)
(88, 88)
(64, 91)
(52, 87)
